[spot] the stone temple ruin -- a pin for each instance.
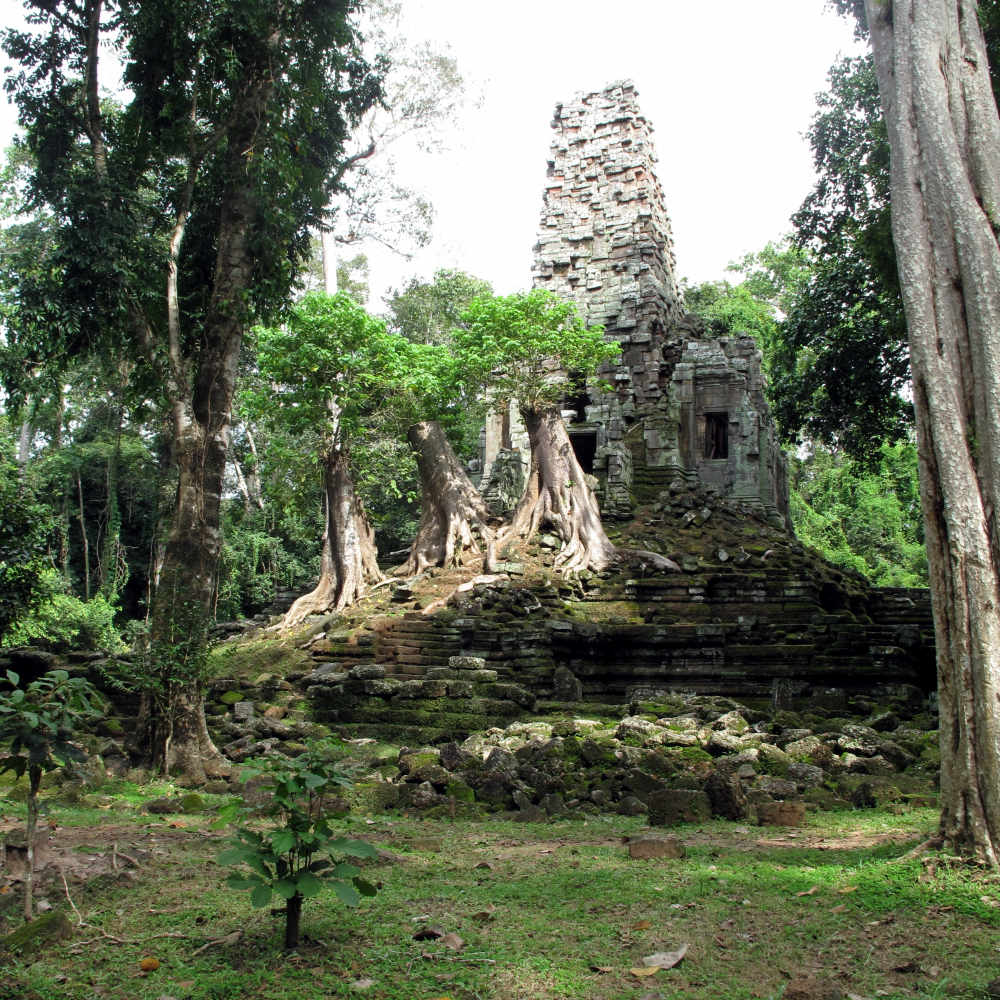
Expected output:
(685, 458)
(686, 407)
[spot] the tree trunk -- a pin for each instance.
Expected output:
(944, 137)
(558, 495)
(451, 507)
(86, 544)
(201, 422)
(348, 562)
(34, 783)
(293, 918)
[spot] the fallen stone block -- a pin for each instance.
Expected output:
(781, 813)
(655, 847)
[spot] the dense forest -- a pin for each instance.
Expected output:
(89, 471)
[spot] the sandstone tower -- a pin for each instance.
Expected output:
(687, 406)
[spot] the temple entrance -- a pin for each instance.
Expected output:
(585, 449)
(716, 435)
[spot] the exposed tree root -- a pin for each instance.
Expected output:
(348, 563)
(557, 495)
(452, 508)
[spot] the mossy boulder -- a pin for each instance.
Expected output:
(411, 763)
(771, 760)
(230, 697)
(462, 792)
(19, 793)
(192, 802)
(373, 797)
(110, 727)
(53, 926)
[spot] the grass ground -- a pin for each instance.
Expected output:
(755, 906)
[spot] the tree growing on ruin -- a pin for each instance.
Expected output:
(180, 213)
(944, 143)
(333, 371)
(533, 347)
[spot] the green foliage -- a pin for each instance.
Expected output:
(335, 367)
(842, 362)
(299, 855)
(22, 550)
(41, 721)
(532, 347)
(426, 312)
(66, 621)
(868, 521)
(352, 278)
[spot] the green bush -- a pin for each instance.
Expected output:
(66, 621)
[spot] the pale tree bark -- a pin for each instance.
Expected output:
(348, 560)
(944, 137)
(452, 509)
(557, 494)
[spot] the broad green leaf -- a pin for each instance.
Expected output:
(234, 856)
(345, 871)
(283, 841)
(260, 896)
(345, 892)
(309, 885)
(236, 881)
(354, 848)
(285, 887)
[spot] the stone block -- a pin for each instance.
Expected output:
(533, 814)
(567, 686)
(648, 848)
(243, 711)
(781, 813)
(678, 805)
(367, 672)
(466, 663)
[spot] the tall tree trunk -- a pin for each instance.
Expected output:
(31, 827)
(558, 495)
(944, 137)
(293, 919)
(172, 727)
(24, 442)
(348, 562)
(86, 544)
(452, 509)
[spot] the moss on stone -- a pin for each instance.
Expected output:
(53, 926)
(231, 697)
(192, 802)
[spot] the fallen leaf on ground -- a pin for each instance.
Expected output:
(728, 924)
(429, 933)
(651, 996)
(808, 892)
(452, 941)
(839, 909)
(856, 996)
(149, 964)
(848, 888)
(642, 925)
(485, 864)
(651, 971)
(909, 967)
(362, 984)
(318, 971)
(445, 977)
(486, 914)
(933, 972)
(602, 968)
(187, 984)
(665, 959)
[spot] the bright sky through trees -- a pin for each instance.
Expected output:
(728, 87)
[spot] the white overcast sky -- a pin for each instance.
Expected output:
(729, 87)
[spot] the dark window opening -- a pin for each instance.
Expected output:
(716, 435)
(505, 441)
(585, 449)
(579, 400)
